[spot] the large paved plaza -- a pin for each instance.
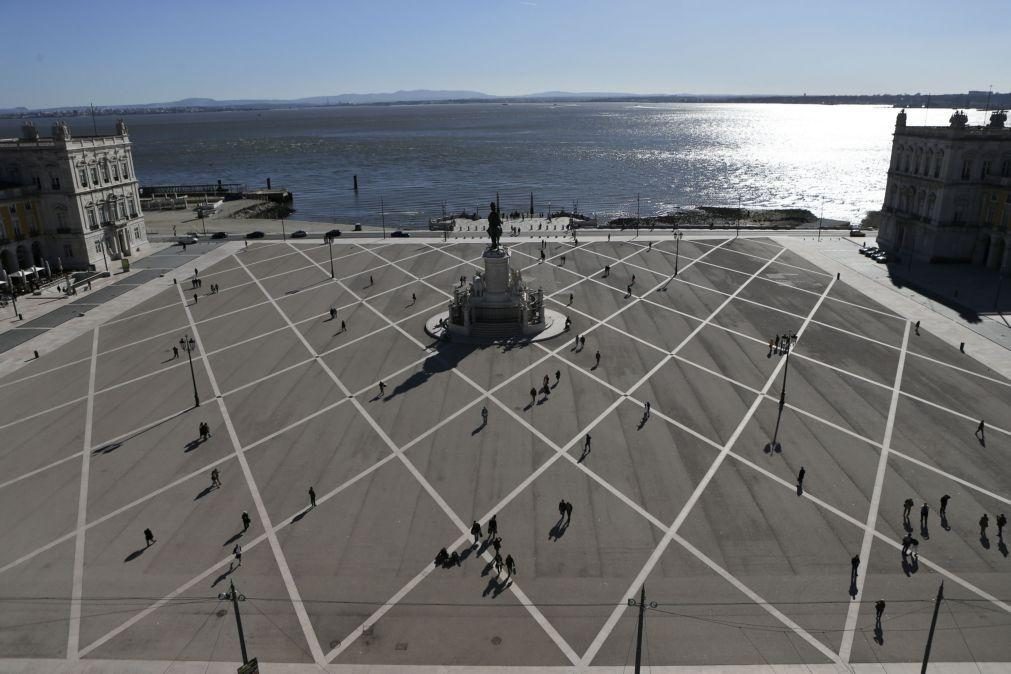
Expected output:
(100, 442)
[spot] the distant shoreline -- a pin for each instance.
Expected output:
(971, 100)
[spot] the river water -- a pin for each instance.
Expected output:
(413, 161)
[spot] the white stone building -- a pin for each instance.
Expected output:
(941, 182)
(86, 190)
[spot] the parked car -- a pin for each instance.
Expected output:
(881, 258)
(255, 235)
(399, 235)
(332, 234)
(869, 251)
(219, 235)
(299, 234)
(187, 240)
(856, 233)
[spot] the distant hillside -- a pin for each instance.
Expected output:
(970, 100)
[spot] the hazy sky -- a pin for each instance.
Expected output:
(73, 52)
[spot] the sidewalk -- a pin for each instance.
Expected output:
(987, 337)
(60, 321)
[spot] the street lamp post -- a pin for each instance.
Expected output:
(774, 447)
(235, 597)
(284, 237)
(104, 258)
(203, 223)
(188, 344)
(821, 219)
(677, 250)
(738, 222)
(329, 241)
(382, 214)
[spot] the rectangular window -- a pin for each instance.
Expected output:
(985, 170)
(1005, 168)
(136, 232)
(105, 172)
(82, 176)
(94, 175)
(126, 171)
(121, 209)
(133, 207)
(92, 220)
(115, 171)
(55, 182)
(966, 169)
(98, 246)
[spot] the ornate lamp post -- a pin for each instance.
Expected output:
(189, 345)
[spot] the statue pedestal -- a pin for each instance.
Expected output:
(496, 305)
(496, 276)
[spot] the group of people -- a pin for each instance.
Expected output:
(447, 559)
(782, 343)
(205, 431)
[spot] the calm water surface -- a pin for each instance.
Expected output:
(420, 159)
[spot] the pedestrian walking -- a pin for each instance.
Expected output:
(312, 497)
(175, 352)
(596, 357)
(475, 531)
(371, 281)
(924, 511)
(980, 430)
(650, 246)
(546, 381)
(879, 610)
(562, 509)
(917, 327)
(344, 326)
(497, 544)
(582, 342)
(558, 376)
(533, 395)
(984, 522)
(148, 538)
(568, 511)
(493, 527)
(542, 255)
(414, 298)
(586, 444)
(576, 345)
(770, 345)
(628, 290)
(633, 279)
(237, 553)
(497, 564)
(215, 478)
(571, 297)
(800, 478)
(646, 410)
(382, 388)
(194, 298)
(510, 565)
(907, 507)
(484, 415)
(245, 521)
(333, 313)
(1001, 523)
(944, 505)
(907, 541)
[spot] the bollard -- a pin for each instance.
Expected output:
(961, 347)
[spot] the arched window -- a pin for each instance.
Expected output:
(919, 160)
(937, 163)
(905, 161)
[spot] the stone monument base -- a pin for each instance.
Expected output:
(436, 326)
